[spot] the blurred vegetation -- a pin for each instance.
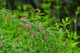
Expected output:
(54, 10)
(16, 35)
(60, 20)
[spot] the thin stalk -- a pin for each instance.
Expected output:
(57, 4)
(75, 23)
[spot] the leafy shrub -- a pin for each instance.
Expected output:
(33, 36)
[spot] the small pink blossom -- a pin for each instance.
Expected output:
(23, 18)
(16, 51)
(39, 27)
(4, 17)
(34, 16)
(45, 37)
(55, 25)
(35, 24)
(53, 50)
(24, 35)
(38, 9)
(18, 39)
(20, 30)
(32, 35)
(18, 24)
(28, 25)
(24, 25)
(42, 31)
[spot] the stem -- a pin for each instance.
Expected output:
(57, 4)
(70, 27)
(75, 23)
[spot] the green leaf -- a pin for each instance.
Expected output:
(63, 21)
(77, 12)
(67, 19)
(75, 21)
(57, 7)
(74, 44)
(78, 8)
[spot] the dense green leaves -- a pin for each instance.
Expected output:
(34, 35)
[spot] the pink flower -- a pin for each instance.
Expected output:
(32, 35)
(28, 25)
(18, 39)
(20, 30)
(24, 35)
(18, 24)
(16, 51)
(34, 16)
(55, 25)
(24, 25)
(23, 18)
(38, 9)
(35, 24)
(53, 50)
(45, 37)
(4, 17)
(39, 27)
(42, 31)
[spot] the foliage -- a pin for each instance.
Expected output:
(47, 29)
(32, 35)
